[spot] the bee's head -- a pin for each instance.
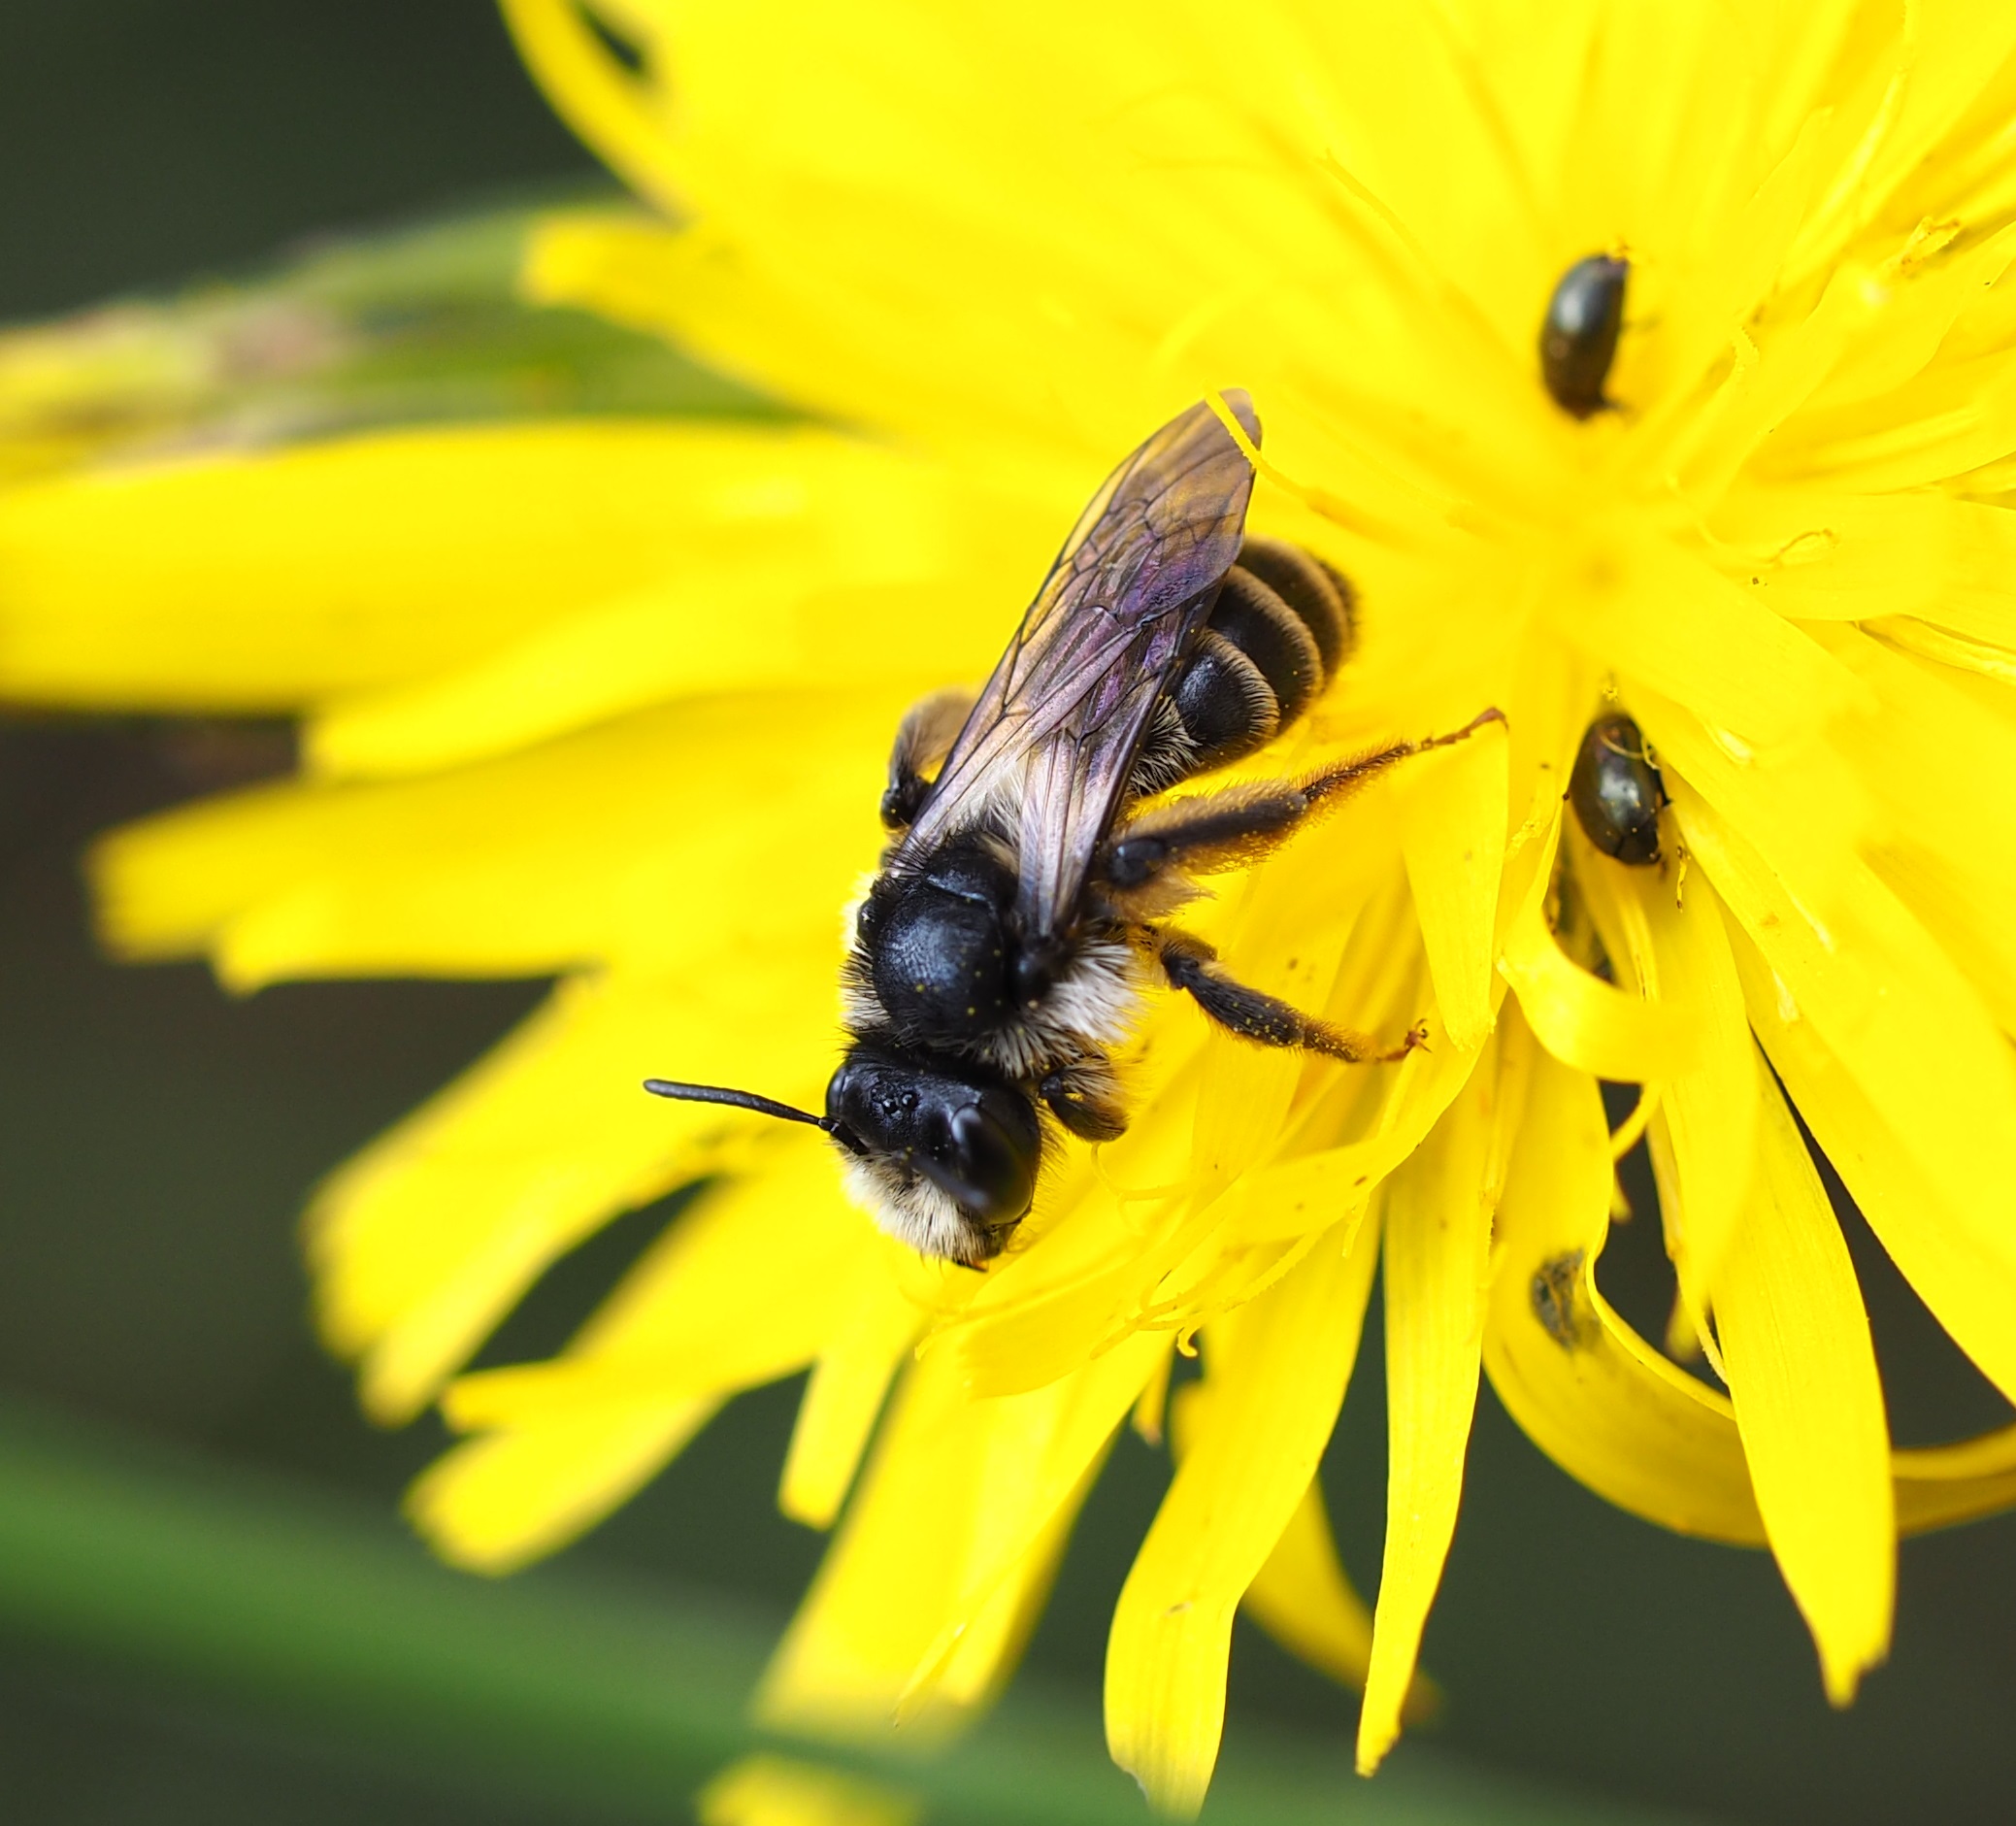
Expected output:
(944, 1159)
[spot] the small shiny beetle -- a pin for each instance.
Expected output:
(1616, 791)
(1578, 337)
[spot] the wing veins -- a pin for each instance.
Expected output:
(1118, 612)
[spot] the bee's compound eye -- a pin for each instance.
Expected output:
(1617, 792)
(994, 1148)
(1578, 337)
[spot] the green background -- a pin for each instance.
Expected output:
(207, 1612)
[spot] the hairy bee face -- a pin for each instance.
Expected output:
(945, 1159)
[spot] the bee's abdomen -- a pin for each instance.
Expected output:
(1260, 623)
(1318, 597)
(1281, 627)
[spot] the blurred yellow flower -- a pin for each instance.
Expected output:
(612, 700)
(777, 1791)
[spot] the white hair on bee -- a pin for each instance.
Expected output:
(908, 1207)
(1098, 1001)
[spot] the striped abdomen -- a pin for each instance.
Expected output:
(1283, 626)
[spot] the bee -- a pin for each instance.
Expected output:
(1008, 942)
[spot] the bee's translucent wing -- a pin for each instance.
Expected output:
(1060, 722)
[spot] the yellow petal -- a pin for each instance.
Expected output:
(1048, 1307)
(1438, 1228)
(1275, 1382)
(1715, 294)
(874, 1332)
(616, 114)
(496, 1503)
(1674, 626)
(1584, 1021)
(1455, 805)
(1802, 807)
(267, 582)
(1822, 555)
(1260, 1226)
(804, 269)
(1934, 758)
(1664, 932)
(1803, 1375)
(1926, 70)
(783, 1791)
(947, 1548)
(586, 850)
(1907, 308)
(808, 559)
(1606, 1407)
(1939, 1485)
(1953, 417)
(1301, 1596)
(1294, 919)
(745, 1286)
(1895, 1068)
(423, 1241)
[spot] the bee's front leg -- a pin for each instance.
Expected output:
(1086, 1097)
(923, 740)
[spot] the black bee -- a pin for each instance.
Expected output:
(1617, 792)
(1004, 948)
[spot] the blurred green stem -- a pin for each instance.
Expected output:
(412, 324)
(621, 1698)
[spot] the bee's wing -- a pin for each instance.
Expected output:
(1066, 709)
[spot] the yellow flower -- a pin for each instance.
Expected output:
(613, 701)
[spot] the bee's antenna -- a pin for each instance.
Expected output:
(736, 1099)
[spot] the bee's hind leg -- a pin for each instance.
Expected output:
(1192, 966)
(923, 740)
(1237, 825)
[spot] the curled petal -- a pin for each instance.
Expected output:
(1586, 1389)
(1586, 1023)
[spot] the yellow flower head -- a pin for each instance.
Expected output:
(615, 700)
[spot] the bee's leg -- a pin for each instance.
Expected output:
(923, 740)
(1192, 966)
(1238, 825)
(1086, 1097)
